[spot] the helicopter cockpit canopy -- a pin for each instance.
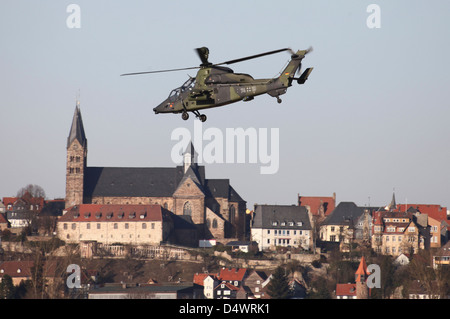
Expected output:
(186, 86)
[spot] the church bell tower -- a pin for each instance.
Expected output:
(76, 160)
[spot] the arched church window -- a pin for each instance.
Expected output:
(232, 213)
(208, 223)
(214, 223)
(187, 209)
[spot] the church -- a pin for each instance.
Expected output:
(212, 206)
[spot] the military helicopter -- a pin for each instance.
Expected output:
(216, 85)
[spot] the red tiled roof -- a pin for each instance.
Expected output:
(362, 269)
(200, 278)
(110, 213)
(232, 274)
(434, 211)
(16, 268)
(3, 219)
(346, 290)
(314, 202)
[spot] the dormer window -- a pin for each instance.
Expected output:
(274, 223)
(87, 215)
(120, 216)
(142, 216)
(283, 224)
(98, 215)
(299, 224)
(109, 216)
(132, 215)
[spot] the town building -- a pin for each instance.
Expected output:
(347, 222)
(318, 206)
(107, 224)
(282, 226)
(395, 233)
(212, 205)
(143, 291)
(441, 258)
(358, 289)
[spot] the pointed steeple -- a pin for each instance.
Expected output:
(393, 204)
(190, 157)
(361, 273)
(77, 128)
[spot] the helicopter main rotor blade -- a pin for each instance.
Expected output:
(254, 56)
(160, 71)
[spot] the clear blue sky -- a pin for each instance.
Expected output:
(373, 116)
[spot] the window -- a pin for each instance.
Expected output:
(126, 225)
(74, 226)
(88, 226)
(65, 226)
(187, 209)
(232, 214)
(99, 226)
(268, 232)
(214, 223)
(274, 223)
(144, 225)
(116, 226)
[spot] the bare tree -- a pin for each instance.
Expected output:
(34, 190)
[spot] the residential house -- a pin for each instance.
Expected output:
(222, 285)
(21, 271)
(442, 256)
(255, 284)
(282, 226)
(395, 233)
(420, 290)
(243, 246)
(345, 224)
(346, 291)
(225, 290)
(21, 211)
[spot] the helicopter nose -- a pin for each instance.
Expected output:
(162, 108)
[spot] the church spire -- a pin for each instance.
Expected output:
(393, 204)
(190, 157)
(77, 128)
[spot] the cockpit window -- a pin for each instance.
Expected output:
(176, 92)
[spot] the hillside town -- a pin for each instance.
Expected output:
(177, 233)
